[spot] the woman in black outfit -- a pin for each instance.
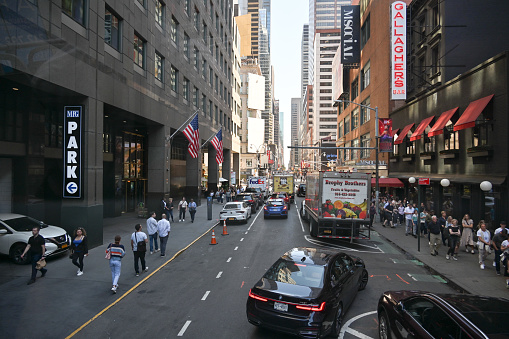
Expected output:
(79, 248)
(454, 237)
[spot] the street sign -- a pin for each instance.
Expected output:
(424, 181)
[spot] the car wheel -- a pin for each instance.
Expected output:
(338, 322)
(384, 331)
(364, 280)
(16, 252)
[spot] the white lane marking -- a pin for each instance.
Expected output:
(394, 261)
(230, 258)
(346, 328)
(236, 248)
(219, 275)
(343, 248)
(205, 295)
(301, 224)
(246, 232)
(257, 214)
(411, 276)
(241, 239)
(184, 328)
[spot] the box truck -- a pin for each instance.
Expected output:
(259, 182)
(283, 182)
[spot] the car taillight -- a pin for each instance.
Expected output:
(265, 207)
(315, 308)
(257, 297)
(284, 207)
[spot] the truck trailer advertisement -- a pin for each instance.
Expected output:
(344, 198)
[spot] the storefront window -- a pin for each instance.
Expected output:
(133, 156)
(410, 147)
(451, 138)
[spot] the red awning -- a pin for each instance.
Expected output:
(403, 134)
(474, 109)
(394, 132)
(438, 127)
(419, 131)
(387, 182)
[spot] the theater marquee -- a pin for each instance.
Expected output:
(398, 48)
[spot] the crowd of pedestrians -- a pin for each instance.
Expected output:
(445, 230)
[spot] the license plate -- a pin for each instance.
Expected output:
(281, 307)
(231, 218)
(327, 231)
(64, 246)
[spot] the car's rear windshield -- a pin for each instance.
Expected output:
(296, 273)
(23, 224)
(232, 206)
(275, 203)
(243, 197)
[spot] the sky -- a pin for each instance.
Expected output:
(288, 18)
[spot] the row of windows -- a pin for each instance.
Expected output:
(358, 117)
(365, 79)
(353, 154)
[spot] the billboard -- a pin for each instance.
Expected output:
(345, 198)
(398, 50)
(350, 35)
(256, 91)
(385, 133)
(255, 135)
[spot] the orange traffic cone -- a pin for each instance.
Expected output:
(213, 241)
(225, 231)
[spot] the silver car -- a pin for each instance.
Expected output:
(16, 229)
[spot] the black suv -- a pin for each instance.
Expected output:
(301, 192)
(257, 193)
(249, 199)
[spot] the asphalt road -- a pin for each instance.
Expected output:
(200, 293)
(203, 292)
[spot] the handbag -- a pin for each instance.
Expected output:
(141, 246)
(108, 253)
(40, 264)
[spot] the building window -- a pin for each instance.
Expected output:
(365, 31)
(216, 83)
(142, 2)
(204, 104)
(435, 19)
(355, 118)
(11, 125)
(112, 33)
(451, 138)
(211, 44)
(410, 147)
(139, 51)
(75, 9)
(480, 134)
(346, 152)
(435, 67)
(365, 141)
(159, 67)
(196, 102)
(340, 130)
(354, 89)
(186, 46)
(211, 78)
(159, 13)
(429, 144)
(249, 163)
(365, 112)
(174, 79)
(174, 30)
(185, 89)
(186, 6)
(204, 36)
(211, 111)
(355, 152)
(196, 56)
(196, 19)
(217, 113)
(178, 150)
(347, 125)
(204, 68)
(365, 76)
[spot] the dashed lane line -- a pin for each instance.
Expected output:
(184, 328)
(229, 259)
(236, 248)
(219, 275)
(205, 295)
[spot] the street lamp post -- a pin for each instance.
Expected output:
(377, 182)
(258, 155)
(485, 186)
(412, 180)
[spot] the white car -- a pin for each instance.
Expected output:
(16, 229)
(235, 211)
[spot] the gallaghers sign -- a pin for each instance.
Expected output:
(72, 151)
(350, 35)
(398, 48)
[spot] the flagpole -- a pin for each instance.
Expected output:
(213, 135)
(178, 129)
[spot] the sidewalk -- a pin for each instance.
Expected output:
(464, 274)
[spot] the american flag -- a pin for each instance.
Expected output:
(217, 142)
(193, 135)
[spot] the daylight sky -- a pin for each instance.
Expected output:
(288, 17)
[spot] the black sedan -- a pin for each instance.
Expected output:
(415, 314)
(249, 199)
(307, 292)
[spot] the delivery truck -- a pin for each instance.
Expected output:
(337, 204)
(259, 182)
(283, 182)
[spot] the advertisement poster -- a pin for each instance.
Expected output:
(345, 198)
(385, 132)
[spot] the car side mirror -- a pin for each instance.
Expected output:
(3, 231)
(399, 307)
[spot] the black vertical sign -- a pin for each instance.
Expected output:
(72, 151)
(350, 35)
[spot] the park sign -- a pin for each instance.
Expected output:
(72, 151)
(398, 50)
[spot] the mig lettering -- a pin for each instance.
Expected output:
(73, 114)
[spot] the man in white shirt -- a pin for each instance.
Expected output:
(502, 226)
(410, 229)
(152, 232)
(163, 228)
(182, 209)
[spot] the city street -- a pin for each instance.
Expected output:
(203, 290)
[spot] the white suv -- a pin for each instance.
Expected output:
(16, 229)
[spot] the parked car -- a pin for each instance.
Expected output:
(257, 192)
(275, 208)
(417, 314)
(281, 195)
(301, 191)
(306, 292)
(248, 198)
(235, 211)
(16, 229)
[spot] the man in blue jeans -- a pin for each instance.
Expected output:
(37, 251)
(152, 232)
(163, 228)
